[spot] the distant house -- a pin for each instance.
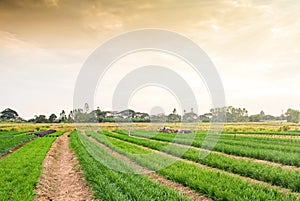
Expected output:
(110, 114)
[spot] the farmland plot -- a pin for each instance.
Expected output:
(215, 184)
(288, 178)
(20, 171)
(284, 151)
(109, 162)
(108, 184)
(9, 140)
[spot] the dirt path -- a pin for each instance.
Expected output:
(61, 177)
(160, 179)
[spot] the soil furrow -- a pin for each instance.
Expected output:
(61, 177)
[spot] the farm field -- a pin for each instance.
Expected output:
(20, 171)
(164, 100)
(86, 162)
(11, 139)
(154, 161)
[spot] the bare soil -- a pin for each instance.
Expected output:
(61, 177)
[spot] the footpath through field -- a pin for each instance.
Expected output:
(61, 177)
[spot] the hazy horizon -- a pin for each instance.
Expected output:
(253, 44)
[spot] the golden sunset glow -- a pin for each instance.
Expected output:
(253, 44)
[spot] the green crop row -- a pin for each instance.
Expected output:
(291, 133)
(20, 171)
(283, 157)
(263, 142)
(268, 140)
(199, 137)
(214, 184)
(10, 142)
(56, 134)
(262, 145)
(108, 184)
(10, 133)
(275, 175)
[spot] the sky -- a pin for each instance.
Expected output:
(254, 44)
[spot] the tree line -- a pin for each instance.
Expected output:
(229, 114)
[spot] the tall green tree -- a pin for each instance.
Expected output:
(255, 118)
(52, 118)
(40, 119)
(232, 114)
(71, 117)
(63, 116)
(292, 115)
(9, 115)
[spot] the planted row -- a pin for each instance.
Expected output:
(4, 134)
(216, 185)
(99, 169)
(20, 171)
(8, 143)
(257, 142)
(201, 135)
(275, 175)
(289, 133)
(286, 158)
(56, 134)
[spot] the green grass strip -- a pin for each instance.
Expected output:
(216, 185)
(12, 141)
(286, 178)
(56, 134)
(108, 184)
(20, 171)
(234, 148)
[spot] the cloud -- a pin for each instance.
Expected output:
(15, 4)
(253, 43)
